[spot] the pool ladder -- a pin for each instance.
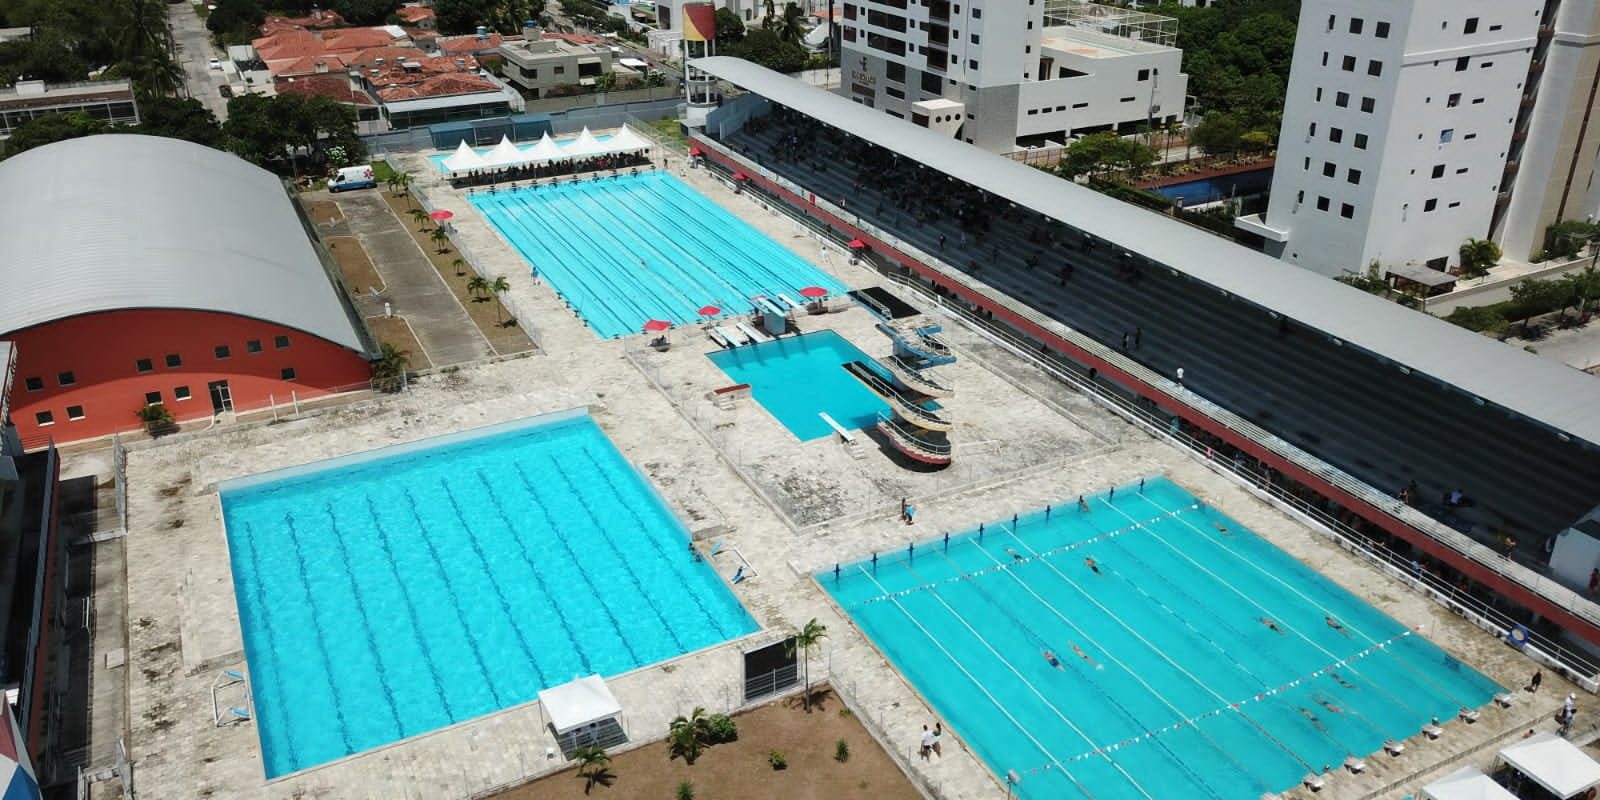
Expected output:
(223, 713)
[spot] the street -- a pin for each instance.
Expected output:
(194, 53)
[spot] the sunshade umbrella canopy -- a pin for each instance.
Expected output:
(813, 292)
(657, 325)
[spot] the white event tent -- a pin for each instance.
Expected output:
(463, 158)
(578, 707)
(506, 154)
(1554, 763)
(1467, 783)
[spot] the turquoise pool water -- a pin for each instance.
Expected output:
(1180, 690)
(796, 377)
(626, 250)
(398, 592)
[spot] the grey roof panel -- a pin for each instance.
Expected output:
(122, 221)
(1544, 391)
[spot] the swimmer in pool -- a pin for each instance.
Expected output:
(1328, 704)
(1054, 662)
(1015, 556)
(1092, 564)
(1085, 656)
(1336, 625)
(1267, 621)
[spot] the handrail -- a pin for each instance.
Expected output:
(1552, 591)
(899, 429)
(914, 374)
(912, 411)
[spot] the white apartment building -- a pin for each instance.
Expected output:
(1396, 129)
(1551, 164)
(1002, 74)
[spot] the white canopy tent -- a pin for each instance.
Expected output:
(1466, 783)
(626, 141)
(580, 710)
(505, 154)
(586, 146)
(1554, 763)
(546, 150)
(463, 158)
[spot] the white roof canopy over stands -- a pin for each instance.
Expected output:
(1554, 763)
(505, 154)
(1466, 783)
(586, 146)
(626, 141)
(578, 704)
(546, 150)
(463, 158)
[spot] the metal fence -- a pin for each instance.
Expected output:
(763, 684)
(119, 477)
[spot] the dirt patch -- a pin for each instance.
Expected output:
(397, 332)
(323, 212)
(741, 768)
(354, 265)
(486, 311)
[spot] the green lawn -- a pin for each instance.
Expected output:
(382, 172)
(669, 130)
(201, 11)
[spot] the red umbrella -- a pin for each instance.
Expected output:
(857, 244)
(657, 325)
(740, 176)
(813, 292)
(695, 151)
(441, 215)
(709, 311)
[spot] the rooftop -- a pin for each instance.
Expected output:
(415, 14)
(469, 43)
(26, 93)
(1122, 23)
(335, 86)
(446, 85)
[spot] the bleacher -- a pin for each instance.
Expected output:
(1382, 424)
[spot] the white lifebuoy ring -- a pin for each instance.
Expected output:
(1518, 636)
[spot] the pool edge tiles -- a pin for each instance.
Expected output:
(1155, 697)
(366, 623)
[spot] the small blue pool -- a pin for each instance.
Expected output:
(1191, 658)
(796, 377)
(625, 250)
(392, 593)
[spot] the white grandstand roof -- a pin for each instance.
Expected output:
(1542, 390)
(115, 222)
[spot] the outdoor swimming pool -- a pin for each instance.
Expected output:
(796, 377)
(1167, 682)
(625, 250)
(395, 592)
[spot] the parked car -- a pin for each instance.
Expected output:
(226, 90)
(215, 63)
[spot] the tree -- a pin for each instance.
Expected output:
(390, 366)
(364, 12)
(157, 419)
(47, 56)
(687, 736)
(791, 26)
(179, 118)
(594, 766)
(730, 29)
(502, 16)
(1581, 287)
(804, 639)
(1218, 133)
(461, 266)
(1531, 297)
(51, 128)
(477, 286)
(420, 217)
(1100, 152)
(441, 240)
(499, 286)
(1483, 319)
(251, 133)
(1477, 256)
(236, 21)
(764, 47)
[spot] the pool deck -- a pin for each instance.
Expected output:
(789, 508)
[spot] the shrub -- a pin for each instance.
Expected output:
(777, 760)
(721, 728)
(685, 791)
(841, 751)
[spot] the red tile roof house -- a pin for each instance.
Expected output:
(417, 15)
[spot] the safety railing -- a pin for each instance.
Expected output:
(119, 477)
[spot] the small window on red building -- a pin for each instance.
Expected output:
(280, 342)
(34, 384)
(181, 393)
(74, 412)
(66, 378)
(44, 418)
(144, 365)
(222, 351)
(252, 346)
(152, 398)
(174, 360)
(287, 373)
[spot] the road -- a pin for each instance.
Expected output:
(194, 53)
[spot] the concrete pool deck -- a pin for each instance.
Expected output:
(787, 507)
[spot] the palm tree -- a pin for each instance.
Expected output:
(791, 26)
(441, 239)
(498, 286)
(392, 181)
(420, 217)
(461, 266)
(1477, 256)
(803, 640)
(477, 285)
(403, 180)
(687, 736)
(594, 765)
(390, 365)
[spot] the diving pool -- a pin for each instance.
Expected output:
(395, 592)
(796, 377)
(1167, 681)
(625, 250)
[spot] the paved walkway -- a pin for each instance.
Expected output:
(411, 285)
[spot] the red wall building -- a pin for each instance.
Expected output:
(86, 376)
(145, 270)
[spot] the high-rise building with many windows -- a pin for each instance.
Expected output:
(1412, 126)
(1004, 74)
